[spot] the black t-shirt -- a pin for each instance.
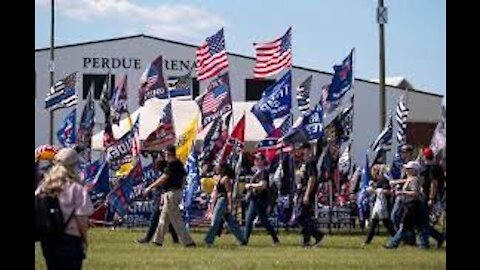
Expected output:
(433, 171)
(309, 169)
(259, 176)
(176, 173)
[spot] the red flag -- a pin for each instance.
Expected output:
(236, 140)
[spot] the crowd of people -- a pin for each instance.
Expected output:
(405, 203)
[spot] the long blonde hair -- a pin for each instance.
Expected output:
(57, 176)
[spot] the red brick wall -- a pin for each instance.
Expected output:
(420, 133)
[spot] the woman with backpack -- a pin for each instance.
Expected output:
(64, 247)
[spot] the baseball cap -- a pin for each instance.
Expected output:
(427, 152)
(412, 165)
(67, 157)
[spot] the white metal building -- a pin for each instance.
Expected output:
(130, 55)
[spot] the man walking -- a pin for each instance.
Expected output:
(172, 181)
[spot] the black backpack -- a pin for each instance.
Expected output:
(49, 220)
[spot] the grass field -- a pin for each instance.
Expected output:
(117, 250)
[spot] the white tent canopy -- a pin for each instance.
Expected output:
(183, 112)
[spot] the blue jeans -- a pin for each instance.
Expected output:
(307, 222)
(411, 220)
(258, 207)
(425, 223)
(397, 212)
(220, 213)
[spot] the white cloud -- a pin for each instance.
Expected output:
(171, 21)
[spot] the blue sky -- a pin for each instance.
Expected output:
(323, 30)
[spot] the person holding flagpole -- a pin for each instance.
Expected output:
(224, 207)
(307, 185)
(257, 197)
(172, 181)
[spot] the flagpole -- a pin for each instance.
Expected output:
(51, 64)
(382, 20)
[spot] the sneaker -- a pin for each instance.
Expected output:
(440, 241)
(141, 241)
(318, 240)
(276, 243)
(191, 245)
(387, 246)
(305, 245)
(158, 244)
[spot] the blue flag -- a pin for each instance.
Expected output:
(276, 102)
(66, 135)
(89, 171)
(362, 199)
(149, 174)
(308, 127)
(342, 80)
(193, 183)
(152, 82)
(99, 186)
(87, 122)
(121, 197)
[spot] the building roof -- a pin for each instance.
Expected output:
(401, 82)
(233, 54)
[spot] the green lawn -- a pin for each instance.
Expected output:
(117, 250)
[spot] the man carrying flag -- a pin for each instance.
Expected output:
(172, 182)
(307, 187)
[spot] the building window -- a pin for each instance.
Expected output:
(97, 80)
(255, 88)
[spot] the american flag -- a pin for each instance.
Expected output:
(212, 57)
(384, 140)
(401, 119)
(272, 57)
(303, 95)
(63, 93)
(180, 86)
(214, 98)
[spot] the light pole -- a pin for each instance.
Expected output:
(51, 66)
(382, 20)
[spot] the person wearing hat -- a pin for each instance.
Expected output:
(406, 155)
(432, 191)
(307, 187)
(257, 197)
(67, 251)
(411, 199)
